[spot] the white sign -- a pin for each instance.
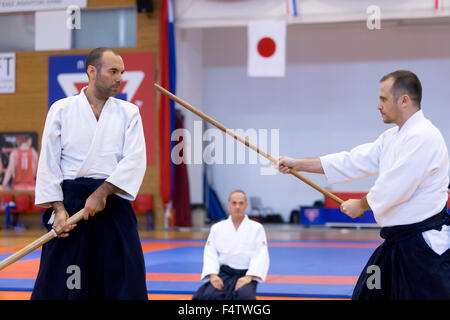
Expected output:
(38, 5)
(7, 72)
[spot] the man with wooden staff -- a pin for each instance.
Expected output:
(408, 198)
(92, 157)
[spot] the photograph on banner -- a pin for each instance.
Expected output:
(19, 159)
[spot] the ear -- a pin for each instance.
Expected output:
(92, 72)
(404, 100)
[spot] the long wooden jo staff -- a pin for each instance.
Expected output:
(39, 242)
(246, 142)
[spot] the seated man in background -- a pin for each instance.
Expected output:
(235, 257)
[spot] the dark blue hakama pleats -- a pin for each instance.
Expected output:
(409, 268)
(104, 252)
(229, 278)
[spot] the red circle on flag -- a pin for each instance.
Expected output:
(266, 47)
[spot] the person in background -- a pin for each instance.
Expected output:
(235, 257)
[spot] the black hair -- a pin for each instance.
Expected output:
(405, 82)
(95, 57)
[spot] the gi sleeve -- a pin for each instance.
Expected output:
(361, 162)
(400, 181)
(259, 263)
(130, 170)
(49, 176)
(210, 256)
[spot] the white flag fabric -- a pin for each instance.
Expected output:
(266, 48)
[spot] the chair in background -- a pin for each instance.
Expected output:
(263, 214)
(6, 203)
(257, 208)
(144, 203)
(22, 204)
(5, 199)
(36, 209)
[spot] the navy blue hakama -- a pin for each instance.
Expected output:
(229, 278)
(104, 252)
(409, 268)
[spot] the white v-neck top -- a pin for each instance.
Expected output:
(75, 144)
(412, 166)
(244, 248)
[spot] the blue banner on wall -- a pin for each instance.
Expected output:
(66, 75)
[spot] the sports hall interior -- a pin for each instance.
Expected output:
(325, 102)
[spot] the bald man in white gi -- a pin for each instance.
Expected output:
(235, 257)
(92, 158)
(408, 199)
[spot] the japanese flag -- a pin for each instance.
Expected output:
(266, 49)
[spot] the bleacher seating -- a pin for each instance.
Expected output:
(36, 209)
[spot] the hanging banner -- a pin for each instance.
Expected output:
(67, 76)
(38, 5)
(7, 72)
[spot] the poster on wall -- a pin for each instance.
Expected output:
(8, 72)
(18, 160)
(67, 76)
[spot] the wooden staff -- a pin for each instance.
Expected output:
(40, 241)
(246, 142)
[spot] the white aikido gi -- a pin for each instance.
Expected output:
(412, 185)
(75, 144)
(244, 248)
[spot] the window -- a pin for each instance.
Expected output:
(99, 27)
(17, 32)
(106, 28)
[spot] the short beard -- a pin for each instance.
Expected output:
(102, 91)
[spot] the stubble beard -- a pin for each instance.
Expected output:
(104, 90)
